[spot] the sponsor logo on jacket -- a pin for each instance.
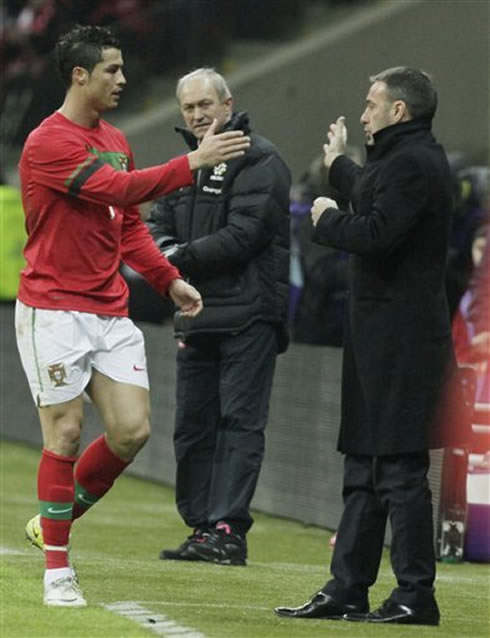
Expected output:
(210, 189)
(218, 172)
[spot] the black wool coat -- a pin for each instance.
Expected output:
(397, 344)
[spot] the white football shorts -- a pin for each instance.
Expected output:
(59, 350)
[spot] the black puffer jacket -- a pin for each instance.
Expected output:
(229, 236)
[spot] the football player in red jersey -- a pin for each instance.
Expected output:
(80, 194)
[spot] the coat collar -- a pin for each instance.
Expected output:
(238, 121)
(390, 136)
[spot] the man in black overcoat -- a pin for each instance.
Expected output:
(397, 348)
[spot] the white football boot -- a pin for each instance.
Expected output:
(64, 592)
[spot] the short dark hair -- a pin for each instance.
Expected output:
(413, 86)
(82, 46)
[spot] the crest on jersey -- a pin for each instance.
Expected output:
(57, 374)
(219, 171)
(118, 160)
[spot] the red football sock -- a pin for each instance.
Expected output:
(55, 488)
(96, 470)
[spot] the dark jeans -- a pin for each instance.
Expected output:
(376, 488)
(224, 384)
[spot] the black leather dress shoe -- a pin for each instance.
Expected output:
(322, 605)
(392, 612)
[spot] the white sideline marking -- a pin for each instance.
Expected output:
(159, 624)
(6, 551)
(173, 603)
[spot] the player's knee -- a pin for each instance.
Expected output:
(141, 434)
(61, 426)
(127, 440)
(64, 439)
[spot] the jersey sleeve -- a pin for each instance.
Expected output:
(65, 165)
(140, 252)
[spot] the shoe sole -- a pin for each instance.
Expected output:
(296, 617)
(65, 603)
(400, 621)
(230, 562)
(181, 558)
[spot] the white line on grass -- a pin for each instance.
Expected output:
(7, 551)
(115, 562)
(159, 624)
(173, 603)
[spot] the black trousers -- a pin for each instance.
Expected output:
(224, 385)
(375, 489)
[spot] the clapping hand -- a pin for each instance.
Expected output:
(337, 141)
(320, 205)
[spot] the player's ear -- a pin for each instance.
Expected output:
(400, 111)
(79, 76)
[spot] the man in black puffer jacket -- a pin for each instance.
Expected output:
(229, 235)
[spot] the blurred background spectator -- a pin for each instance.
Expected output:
(318, 275)
(160, 38)
(12, 239)
(471, 194)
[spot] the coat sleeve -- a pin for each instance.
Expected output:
(343, 174)
(256, 206)
(398, 201)
(161, 224)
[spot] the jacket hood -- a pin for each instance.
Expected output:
(238, 122)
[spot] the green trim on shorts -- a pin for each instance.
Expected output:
(34, 349)
(56, 511)
(84, 498)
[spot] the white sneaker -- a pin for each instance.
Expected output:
(64, 592)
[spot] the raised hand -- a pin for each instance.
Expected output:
(337, 141)
(218, 147)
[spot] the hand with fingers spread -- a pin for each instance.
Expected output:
(218, 147)
(320, 205)
(186, 297)
(337, 141)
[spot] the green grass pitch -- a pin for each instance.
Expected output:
(115, 549)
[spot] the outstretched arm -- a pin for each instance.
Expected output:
(215, 148)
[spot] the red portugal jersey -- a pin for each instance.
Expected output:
(80, 194)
